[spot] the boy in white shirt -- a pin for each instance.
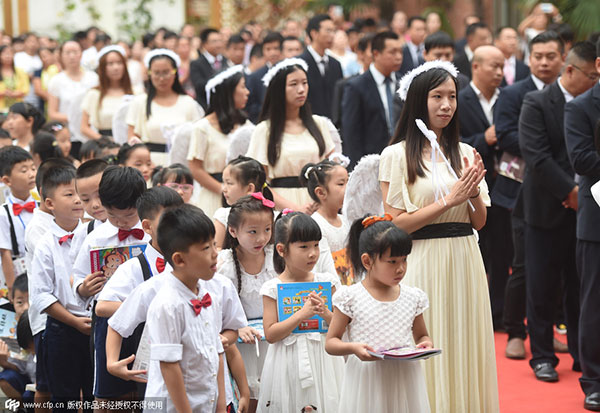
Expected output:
(186, 364)
(67, 359)
(119, 190)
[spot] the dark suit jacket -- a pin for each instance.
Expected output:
(408, 63)
(473, 124)
(521, 72)
(364, 125)
(320, 93)
(463, 64)
(336, 107)
(200, 72)
(257, 90)
(506, 117)
(581, 119)
(549, 176)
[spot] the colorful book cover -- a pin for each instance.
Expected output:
(257, 324)
(8, 324)
(406, 353)
(108, 259)
(291, 298)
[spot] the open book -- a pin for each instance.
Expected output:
(406, 353)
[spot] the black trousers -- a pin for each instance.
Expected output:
(550, 261)
(588, 266)
(497, 250)
(514, 301)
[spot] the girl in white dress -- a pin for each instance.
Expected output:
(326, 183)
(379, 315)
(289, 136)
(227, 96)
(100, 103)
(247, 259)
(242, 176)
(297, 372)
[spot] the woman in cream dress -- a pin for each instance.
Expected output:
(440, 212)
(289, 136)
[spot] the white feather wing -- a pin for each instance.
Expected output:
(363, 194)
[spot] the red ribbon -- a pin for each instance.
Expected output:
(64, 239)
(198, 305)
(160, 264)
(136, 233)
(29, 207)
(266, 202)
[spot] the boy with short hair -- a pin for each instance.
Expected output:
(119, 190)
(182, 319)
(18, 173)
(66, 358)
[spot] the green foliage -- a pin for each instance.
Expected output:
(582, 15)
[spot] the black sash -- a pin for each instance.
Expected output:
(286, 182)
(443, 230)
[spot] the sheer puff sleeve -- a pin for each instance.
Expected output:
(392, 169)
(342, 300)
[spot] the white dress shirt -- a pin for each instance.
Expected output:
(322, 61)
(568, 97)
(380, 81)
(20, 222)
(51, 274)
(80, 233)
(539, 84)
(178, 334)
(486, 105)
(415, 51)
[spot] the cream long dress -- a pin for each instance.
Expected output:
(451, 272)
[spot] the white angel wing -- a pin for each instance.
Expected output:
(180, 143)
(363, 194)
(119, 125)
(239, 141)
(74, 114)
(335, 136)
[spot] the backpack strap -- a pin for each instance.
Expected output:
(13, 234)
(90, 226)
(146, 271)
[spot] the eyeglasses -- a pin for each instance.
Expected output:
(591, 76)
(162, 75)
(183, 187)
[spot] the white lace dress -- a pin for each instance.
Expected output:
(337, 238)
(253, 307)
(298, 372)
(385, 386)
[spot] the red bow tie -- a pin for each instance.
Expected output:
(29, 207)
(64, 239)
(136, 233)
(160, 264)
(200, 304)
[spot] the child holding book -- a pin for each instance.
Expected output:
(379, 314)
(119, 190)
(67, 360)
(326, 183)
(247, 260)
(297, 370)
(17, 171)
(186, 364)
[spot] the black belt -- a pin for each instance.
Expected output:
(444, 230)
(105, 132)
(156, 147)
(286, 182)
(217, 176)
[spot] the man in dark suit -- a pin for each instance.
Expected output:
(507, 40)
(581, 125)
(368, 117)
(323, 70)
(476, 102)
(271, 49)
(209, 61)
(478, 34)
(546, 60)
(412, 53)
(439, 46)
(549, 195)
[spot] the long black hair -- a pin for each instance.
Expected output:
(177, 88)
(314, 175)
(222, 103)
(415, 107)
(375, 240)
(274, 110)
(293, 227)
(245, 205)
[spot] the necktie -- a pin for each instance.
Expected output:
(136, 233)
(160, 264)
(509, 76)
(29, 207)
(217, 65)
(390, 100)
(65, 238)
(198, 305)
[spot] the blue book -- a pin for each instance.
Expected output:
(257, 324)
(291, 298)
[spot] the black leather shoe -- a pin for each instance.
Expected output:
(545, 372)
(592, 402)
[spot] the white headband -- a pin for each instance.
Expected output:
(282, 65)
(219, 78)
(107, 49)
(161, 52)
(410, 76)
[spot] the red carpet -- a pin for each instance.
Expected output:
(520, 392)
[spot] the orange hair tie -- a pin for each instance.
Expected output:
(368, 221)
